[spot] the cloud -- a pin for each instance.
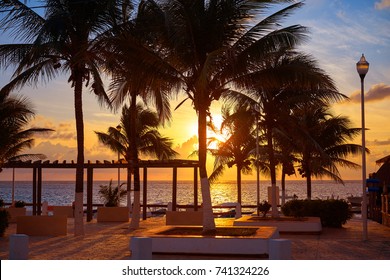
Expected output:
(383, 4)
(377, 92)
(62, 152)
(379, 142)
(187, 148)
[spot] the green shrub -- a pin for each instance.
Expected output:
(335, 213)
(332, 212)
(294, 208)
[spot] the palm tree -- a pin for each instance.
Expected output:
(323, 143)
(15, 113)
(238, 149)
(148, 142)
(210, 46)
(286, 80)
(64, 40)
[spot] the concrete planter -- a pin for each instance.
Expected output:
(112, 214)
(63, 210)
(41, 225)
(257, 244)
(15, 212)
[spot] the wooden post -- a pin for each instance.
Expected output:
(34, 192)
(144, 194)
(174, 189)
(89, 193)
(195, 188)
(39, 192)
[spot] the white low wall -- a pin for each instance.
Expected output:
(247, 245)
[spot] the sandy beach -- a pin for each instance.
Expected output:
(110, 241)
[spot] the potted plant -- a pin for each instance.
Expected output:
(112, 196)
(264, 207)
(4, 218)
(20, 204)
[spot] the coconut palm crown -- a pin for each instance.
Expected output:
(15, 114)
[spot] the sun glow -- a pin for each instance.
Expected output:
(216, 133)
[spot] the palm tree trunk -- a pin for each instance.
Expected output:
(239, 184)
(272, 166)
(134, 224)
(208, 218)
(129, 190)
(308, 183)
(283, 183)
(78, 104)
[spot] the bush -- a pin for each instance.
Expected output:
(264, 207)
(332, 212)
(20, 204)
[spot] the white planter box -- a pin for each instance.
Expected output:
(257, 244)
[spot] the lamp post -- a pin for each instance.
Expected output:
(362, 69)
(118, 127)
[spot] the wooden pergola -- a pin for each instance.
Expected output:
(37, 167)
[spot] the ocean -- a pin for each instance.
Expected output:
(160, 192)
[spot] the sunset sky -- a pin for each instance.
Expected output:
(340, 31)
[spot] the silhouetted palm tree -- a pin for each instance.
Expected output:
(286, 80)
(148, 142)
(65, 39)
(322, 142)
(210, 46)
(238, 149)
(15, 114)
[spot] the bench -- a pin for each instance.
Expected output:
(184, 218)
(42, 225)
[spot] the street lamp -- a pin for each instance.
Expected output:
(362, 69)
(119, 170)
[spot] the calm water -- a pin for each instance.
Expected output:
(62, 192)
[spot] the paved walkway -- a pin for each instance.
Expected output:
(110, 241)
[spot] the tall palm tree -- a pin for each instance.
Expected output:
(287, 79)
(238, 149)
(323, 143)
(15, 114)
(133, 79)
(64, 40)
(210, 46)
(148, 142)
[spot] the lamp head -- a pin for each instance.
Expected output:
(362, 67)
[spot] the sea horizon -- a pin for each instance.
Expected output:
(160, 191)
